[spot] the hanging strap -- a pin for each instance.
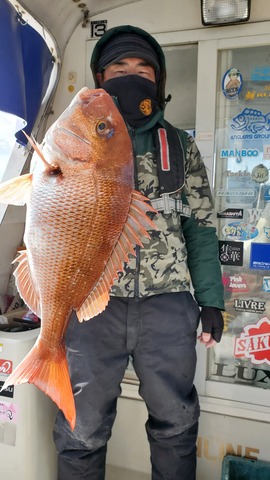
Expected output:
(170, 147)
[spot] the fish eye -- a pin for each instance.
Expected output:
(104, 128)
(101, 126)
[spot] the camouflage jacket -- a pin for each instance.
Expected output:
(184, 250)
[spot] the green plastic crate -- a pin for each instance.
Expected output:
(238, 468)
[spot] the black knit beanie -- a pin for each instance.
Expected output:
(126, 45)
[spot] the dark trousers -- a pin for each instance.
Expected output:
(159, 333)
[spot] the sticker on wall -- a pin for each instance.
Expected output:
(246, 193)
(260, 256)
(260, 74)
(267, 194)
(266, 231)
(260, 174)
(253, 121)
(231, 213)
(266, 152)
(97, 28)
(260, 92)
(8, 412)
(249, 305)
(239, 173)
(232, 83)
(8, 392)
(240, 231)
(266, 284)
(254, 342)
(254, 214)
(5, 367)
(234, 283)
(8, 423)
(231, 253)
(239, 153)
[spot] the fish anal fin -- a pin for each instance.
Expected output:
(17, 190)
(25, 284)
(50, 375)
(134, 229)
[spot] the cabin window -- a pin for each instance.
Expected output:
(242, 203)
(28, 74)
(181, 84)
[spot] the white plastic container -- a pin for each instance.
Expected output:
(27, 416)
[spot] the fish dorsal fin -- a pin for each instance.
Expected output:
(134, 229)
(17, 190)
(24, 283)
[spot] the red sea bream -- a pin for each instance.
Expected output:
(83, 220)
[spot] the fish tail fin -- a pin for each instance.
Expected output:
(50, 375)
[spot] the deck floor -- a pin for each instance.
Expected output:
(116, 473)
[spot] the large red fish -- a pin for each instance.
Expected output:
(83, 219)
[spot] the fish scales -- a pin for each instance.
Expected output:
(83, 220)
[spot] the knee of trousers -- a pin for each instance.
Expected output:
(184, 442)
(82, 438)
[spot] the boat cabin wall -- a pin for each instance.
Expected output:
(174, 22)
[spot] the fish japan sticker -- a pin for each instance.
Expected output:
(254, 342)
(251, 120)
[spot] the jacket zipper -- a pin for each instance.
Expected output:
(137, 247)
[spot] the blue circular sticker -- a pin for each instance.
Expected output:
(232, 83)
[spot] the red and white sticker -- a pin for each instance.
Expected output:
(5, 367)
(254, 342)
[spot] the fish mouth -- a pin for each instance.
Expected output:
(73, 134)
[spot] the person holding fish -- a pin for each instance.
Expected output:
(151, 317)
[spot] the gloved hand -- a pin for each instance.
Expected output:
(212, 322)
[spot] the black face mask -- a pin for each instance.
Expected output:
(137, 98)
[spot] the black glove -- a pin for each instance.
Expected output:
(212, 322)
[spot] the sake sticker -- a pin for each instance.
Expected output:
(254, 342)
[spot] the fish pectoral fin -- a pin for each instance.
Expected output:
(134, 229)
(17, 190)
(25, 284)
(48, 373)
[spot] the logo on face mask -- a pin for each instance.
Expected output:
(146, 106)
